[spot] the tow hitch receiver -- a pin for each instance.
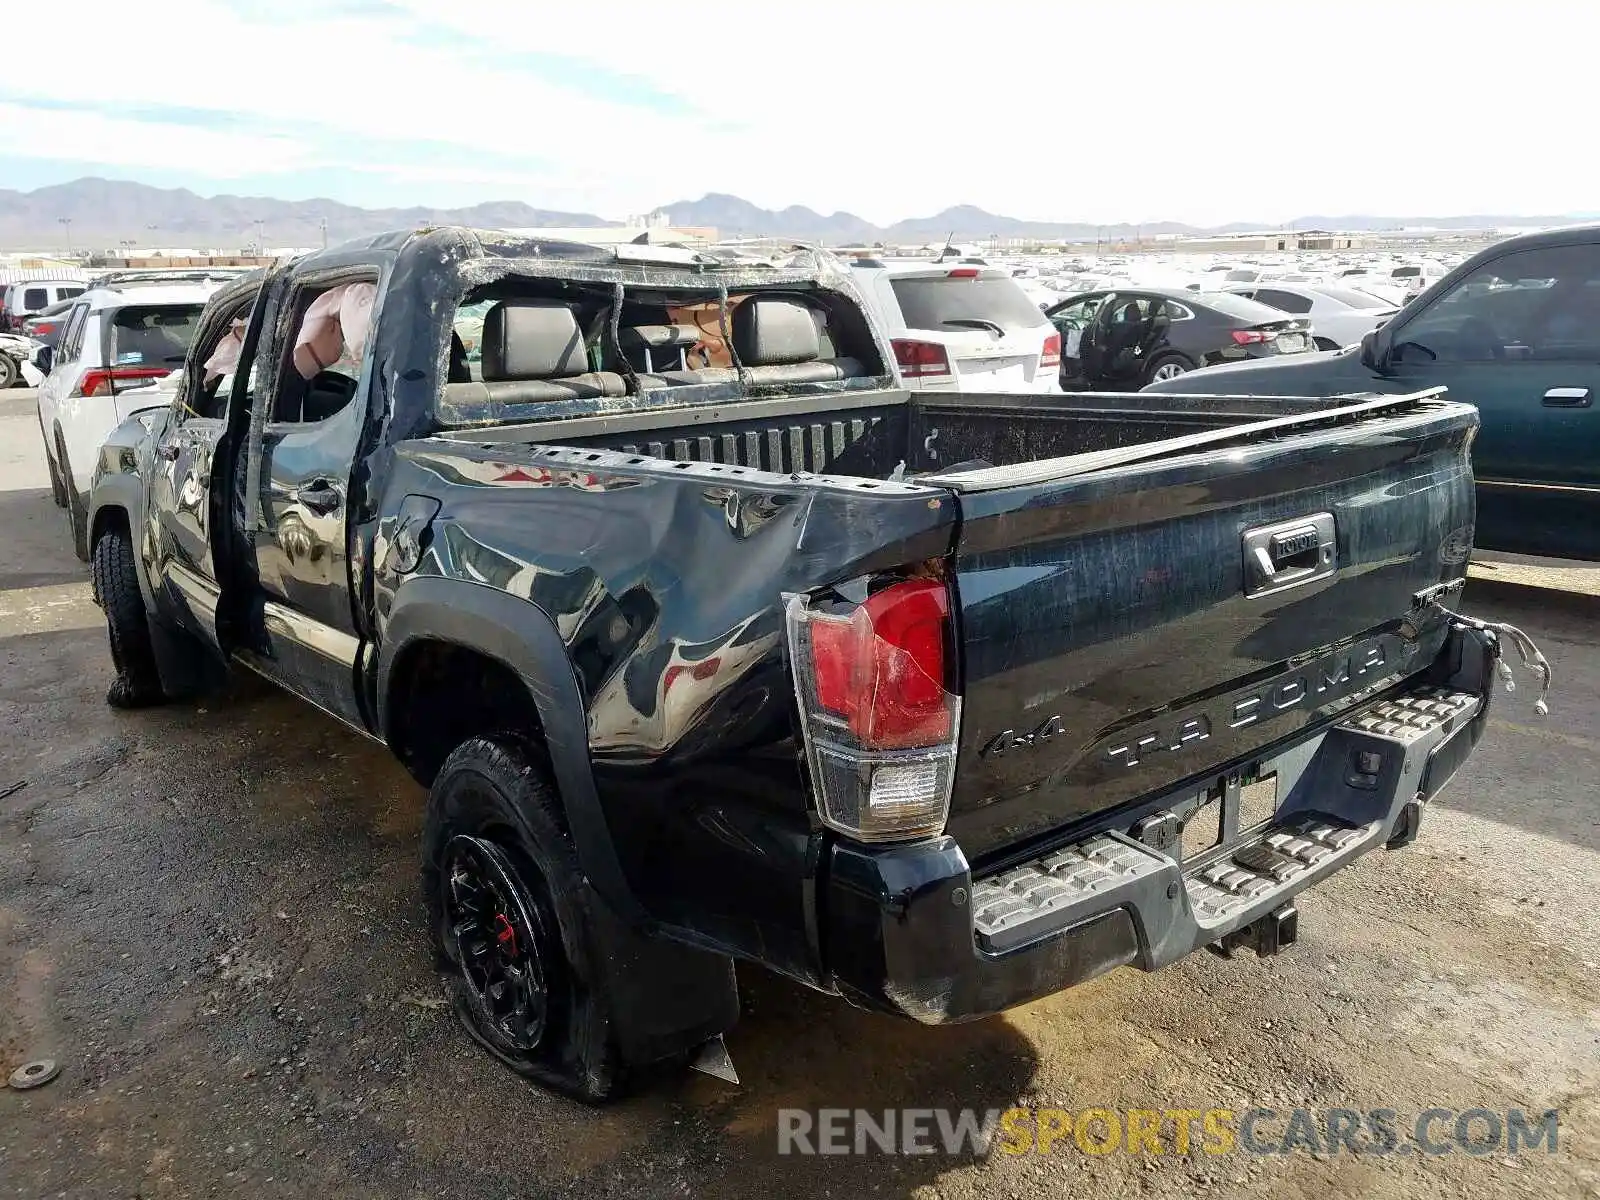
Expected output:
(1273, 932)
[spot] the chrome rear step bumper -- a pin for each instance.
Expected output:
(908, 930)
(1331, 810)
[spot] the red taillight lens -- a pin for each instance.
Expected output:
(880, 726)
(882, 671)
(963, 273)
(920, 360)
(1050, 358)
(98, 382)
(1252, 337)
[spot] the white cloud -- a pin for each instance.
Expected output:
(1193, 110)
(36, 133)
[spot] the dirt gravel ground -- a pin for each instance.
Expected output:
(209, 915)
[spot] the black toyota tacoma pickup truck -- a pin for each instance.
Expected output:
(711, 642)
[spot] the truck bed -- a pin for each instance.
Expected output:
(873, 435)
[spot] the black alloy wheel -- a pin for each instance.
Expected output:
(499, 942)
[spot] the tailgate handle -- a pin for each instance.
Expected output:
(1289, 554)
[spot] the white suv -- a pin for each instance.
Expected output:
(123, 334)
(961, 326)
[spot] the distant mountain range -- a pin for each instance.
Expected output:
(103, 212)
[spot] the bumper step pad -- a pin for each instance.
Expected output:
(1251, 872)
(1410, 718)
(1004, 907)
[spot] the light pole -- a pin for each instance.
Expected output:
(66, 223)
(322, 224)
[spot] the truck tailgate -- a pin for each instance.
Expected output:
(1133, 620)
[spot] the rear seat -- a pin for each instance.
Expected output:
(777, 340)
(533, 353)
(653, 348)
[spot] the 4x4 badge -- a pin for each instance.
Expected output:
(1004, 743)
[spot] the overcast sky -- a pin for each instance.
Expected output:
(1067, 110)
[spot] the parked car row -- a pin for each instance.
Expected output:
(19, 301)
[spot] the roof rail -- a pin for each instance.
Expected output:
(115, 279)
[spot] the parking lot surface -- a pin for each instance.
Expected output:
(209, 916)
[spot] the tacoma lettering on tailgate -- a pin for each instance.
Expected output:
(1314, 684)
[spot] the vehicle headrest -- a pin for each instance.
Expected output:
(657, 337)
(771, 332)
(532, 339)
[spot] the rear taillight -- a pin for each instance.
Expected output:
(879, 719)
(1252, 337)
(1050, 358)
(920, 360)
(962, 273)
(101, 382)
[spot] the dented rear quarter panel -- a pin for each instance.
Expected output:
(665, 584)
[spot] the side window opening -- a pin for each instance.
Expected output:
(1541, 304)
(221, 362)
(331, 324)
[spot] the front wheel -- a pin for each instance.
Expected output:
(508, 906)
(116, 589)
(9, 372)
(1169, 366)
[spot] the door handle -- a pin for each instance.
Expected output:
(1568, 397)
(322, 496)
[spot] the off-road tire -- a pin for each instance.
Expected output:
(494, 789)
(9, 372)
(116, 589)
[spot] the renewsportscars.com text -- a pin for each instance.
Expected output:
(1161, 1131)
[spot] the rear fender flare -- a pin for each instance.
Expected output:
(520, 635)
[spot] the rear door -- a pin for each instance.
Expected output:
(994, 336)
(183, 512)
(1072, 321)
(1520, 338)
(1120, 637)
